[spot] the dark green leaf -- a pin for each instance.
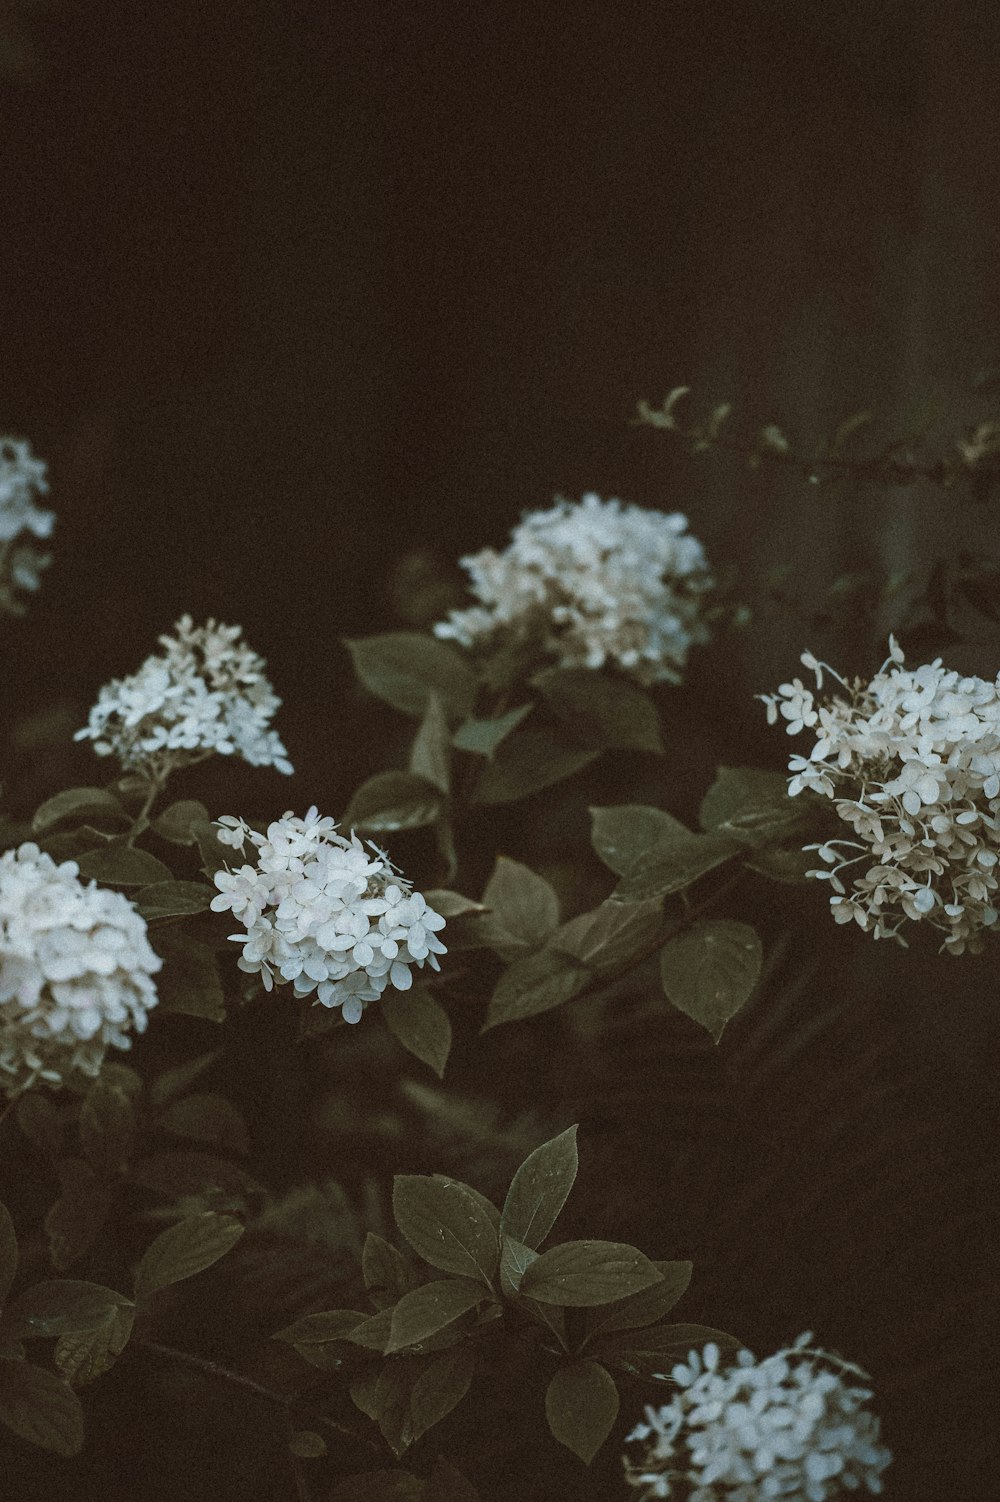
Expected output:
(175, 1081)
(59, 1306)
(107, 1127)
(179, 823)
(786, 864)
(39, 1121)
(613, 936)
(78, 1215)
(8, 1252)
(451, 904)
(482, 737)
(441, 1387)
(122, 866)
(535, 984)
(446, 1224)
(647, 1306)
(621, 834)
(581, 1405)
(404, 668)
(523, 909)
(578, 1274)
(386, 1274)
(525, 763)
(392, 1398)
(420, 1023)
(321, 1329)
(749, 805)
(656, 1348)
(711, 970)
(430, 1308)
(373, 1333)
(173, 899)
(608, 713)
(40, 1407)
(208, 1118)
(185, 1249)
(307, 1444)
(673, 864)
(78, 804)
(189, 981)
(83, 1355)
(515, 1257)
(178, 1175)
(393, 800)
(539, 1190)
(430, 755)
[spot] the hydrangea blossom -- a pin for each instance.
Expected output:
(912, 763)
(327, 913)
(592, 582)
(789, 1426)
(76, 971)
(205, 692)
(22, 479)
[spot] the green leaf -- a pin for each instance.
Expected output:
(578, 1274)
(581, 1405)
(535, 984)
(643, 1352)
(539, 1190)
(482, 737)
(215, 856)
(622, 833)
(321, 1329)
(451, 904)
(613, 936)
(175, 1081)
(750, 805)
(711, 970)
(307, 1444)
(393, 800)
(122, 866)
(386, 1274)
(430, 754)
(78, 804)
(184, 1249)
(189, 981)
(523, 909)
(179, 823)
(39, 1121)
(8, 1252)
(59, 1306)
(208, 1118)
(446, 1224)
(609, 713)
(373, 1333)
(441, 1387)
(673, 864)
(107, 1127)
(405, 668)
(789, 864)
(77, 1218)
(83, 1355)
(173, 899)
(429, 1309)
(420, 1023)
(525, 763)
(178, 1175)
(392, 1400)
(40, 1407)
(515, 1257)
(647, 1306)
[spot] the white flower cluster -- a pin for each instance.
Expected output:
(912, 760)
(325, 913)
(593, 582)
(788, 1426)
(205, 692)
(75, 971)
(22, 478)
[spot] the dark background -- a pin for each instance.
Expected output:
(290, 289)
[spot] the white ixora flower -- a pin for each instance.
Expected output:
(911, 761)
(790, 1426)
(76, 971)
(329, 914)
(22, 479)
(592, 582)
(204, 692)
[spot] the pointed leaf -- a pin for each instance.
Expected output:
(515, 1257)
(179, 823)
(40, 1407)
(482, 737)
(649, 1305)
(525, 763)
(321, 1329)
(539, 1190)
(385, 1272)
(393, 800)
(91, 805)
(429, 1309)
(673, 864)
(178, 1175)
(405, 668)
(122, 866)
(711, 970)
(430, 755)
(175, 1081)
(173, 899)
(84, 1355)
(535, 984)
(609, 713)
(441, 1387)
(655, 1349)
(613, 936)
(59, 1306)
(750, 805)
(420, 1023)
(392, 1399)
(76, 1219)
(446, 1224)
(578, 1274)
(581, 1405)
(307, 1444)
(624, 832)
(185, 1249)
(523, 909)
(189, 981)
